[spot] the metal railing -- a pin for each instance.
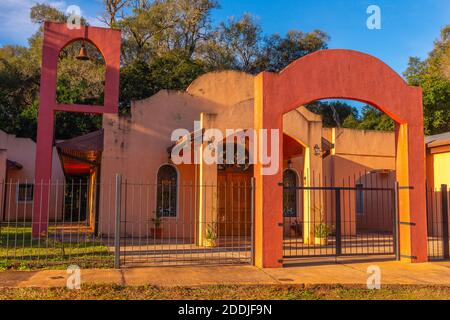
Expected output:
(117, 222)
(71, 237)
(355, 217)
(438, 223)
(121, 223)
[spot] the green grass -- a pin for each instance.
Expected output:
(115, 292)
(18, 251)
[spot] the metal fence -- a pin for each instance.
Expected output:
(71, 236)
(356, 217)
(438, 223)
(208, 224)
(124, 223)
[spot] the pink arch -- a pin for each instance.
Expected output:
(56, 37)
(343, 74)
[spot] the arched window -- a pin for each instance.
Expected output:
(166, 203)
(290, 180)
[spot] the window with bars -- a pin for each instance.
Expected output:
(167, 191)
(290, 180)
(25, 192)
(359, 199)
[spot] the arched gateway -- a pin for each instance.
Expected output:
(342, 74)
(57, 36)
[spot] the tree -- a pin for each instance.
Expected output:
(279, 52)
(333, 113)
(113, 8)
(142, 30)
(238, 43)
(432, 75)
(20, 79)
(141, 80)
(166, 44)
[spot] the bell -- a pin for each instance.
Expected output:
(82, 56)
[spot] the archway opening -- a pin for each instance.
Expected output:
(81, 73)
(349, 147)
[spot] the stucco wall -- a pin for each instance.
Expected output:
(22, 151)
(136, 146)
(356, 153)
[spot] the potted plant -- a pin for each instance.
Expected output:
(210, 235)
(157, 227)
(321, 233)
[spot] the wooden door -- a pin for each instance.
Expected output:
(234, 203)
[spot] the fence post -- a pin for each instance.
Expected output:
(338, 223)
(118, 221)
(252, 229)
(396, 224)
(444, 197)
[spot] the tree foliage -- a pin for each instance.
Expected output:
(433, 75)
(166, 44)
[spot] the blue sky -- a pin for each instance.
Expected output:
(408, 27)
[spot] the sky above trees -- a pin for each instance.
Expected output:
(408, 27)
(166, 44)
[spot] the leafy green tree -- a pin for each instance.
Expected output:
(166, 44)
(351, 122)
(333, 113)
(433, 76)
(279, 52)
(239, 43)
(141, 80)
(374, 119)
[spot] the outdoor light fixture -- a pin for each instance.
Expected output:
(317, 150)
(82, 56)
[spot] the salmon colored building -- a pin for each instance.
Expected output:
(17, 179)
(312, 192)
(224, 100)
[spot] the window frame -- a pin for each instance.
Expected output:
(177, 192)
(359, 200)
(297, 183)
(26, 185)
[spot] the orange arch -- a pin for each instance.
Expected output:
(343, 74)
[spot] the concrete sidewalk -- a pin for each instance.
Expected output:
(393, 273)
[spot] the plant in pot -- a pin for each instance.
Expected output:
(157, 227)
(321, 233)
(211, 235)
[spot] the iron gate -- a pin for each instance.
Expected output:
(208, 224)
(341, 221)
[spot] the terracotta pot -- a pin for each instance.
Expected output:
(320, 241)
(156, 233)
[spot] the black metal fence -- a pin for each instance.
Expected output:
(71, 237)
(207, 224)
(358, 217)
(123, 223)
(438, 223)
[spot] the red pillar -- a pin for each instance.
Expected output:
(43, 174)
(56, 37)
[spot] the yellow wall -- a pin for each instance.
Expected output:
(441, 169)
